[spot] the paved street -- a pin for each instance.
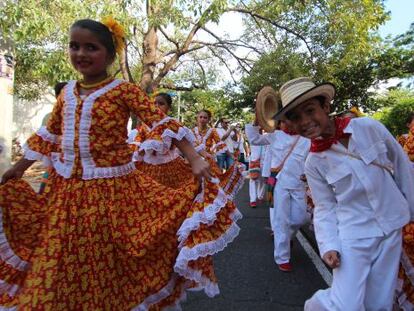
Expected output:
(248, 277)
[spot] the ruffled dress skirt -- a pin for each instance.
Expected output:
(405, 283)
(122, 243)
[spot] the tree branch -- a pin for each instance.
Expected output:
(274, 23)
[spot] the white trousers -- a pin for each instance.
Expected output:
(289, 214)
(366, 278)
(256, 189)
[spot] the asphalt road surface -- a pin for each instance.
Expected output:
(248, 276)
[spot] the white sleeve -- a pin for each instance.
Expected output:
(131, 136)
(324, 219)
(254, 136)
(402, 166)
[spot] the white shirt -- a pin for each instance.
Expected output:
(256, 153)
(355, 199)
(239, 144)
(267, 161)
(131, 136)
(280, 145)
(228, 141)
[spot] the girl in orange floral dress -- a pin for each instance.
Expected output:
(208, 143)
(104, 236)
(167, 168)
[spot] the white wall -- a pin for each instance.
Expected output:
(28, 115)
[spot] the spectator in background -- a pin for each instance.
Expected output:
(225, 158)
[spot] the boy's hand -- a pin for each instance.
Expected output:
(332, 259)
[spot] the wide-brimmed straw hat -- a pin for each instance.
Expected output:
(299, 90)
(267, 104)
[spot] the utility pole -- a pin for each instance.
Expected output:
(179, 106)
(6, 103)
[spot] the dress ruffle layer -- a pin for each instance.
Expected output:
(110, 244)
(405, 287)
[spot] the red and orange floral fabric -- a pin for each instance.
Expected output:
(405, 288)
(208, 140)
(103, 236)
(409, 144)
(167, 168)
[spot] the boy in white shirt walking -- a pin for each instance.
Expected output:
(289, 152)
(361, 183)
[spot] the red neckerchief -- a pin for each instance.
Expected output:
(289, 132)
(319, 145)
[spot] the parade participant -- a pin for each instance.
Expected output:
(241, 148)
(107, 237)
(225, 157)
(363, 196)
(208, 144)
(167, 167)
(256, 182)
(289, 152)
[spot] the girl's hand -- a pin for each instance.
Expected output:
(332, 259)
(205, 154)
(200, 167)
(12, 173)
(17, 170)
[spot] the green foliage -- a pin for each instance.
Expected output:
(331, 40)
(216, 101)
(39, 31)
(399, 104)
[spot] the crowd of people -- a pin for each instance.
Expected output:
(132, 220)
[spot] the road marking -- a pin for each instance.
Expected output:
(317, 261)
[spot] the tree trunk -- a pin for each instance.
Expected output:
(124, 66)
(149, 59)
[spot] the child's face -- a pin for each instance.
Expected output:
(202, 118)
(87, 54)
(310, 119)
(162, 104)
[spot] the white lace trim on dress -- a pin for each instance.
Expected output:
(47, 136)
(164, 146)
(30, 154)
(6, 252)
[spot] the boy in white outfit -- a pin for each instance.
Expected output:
(363, 193)
(289, 152)
(256, 182)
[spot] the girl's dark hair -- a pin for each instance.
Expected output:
(100, 31)
(409, 118)
(167, 98)
(208, 112)
(58, 88)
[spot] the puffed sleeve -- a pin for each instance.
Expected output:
(324, 218)
(162, 129)
(218, 145)
(47, 139)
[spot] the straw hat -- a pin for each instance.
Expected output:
(297, 91)
(267, 104)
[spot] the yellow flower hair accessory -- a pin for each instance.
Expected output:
(118, 33)
(356, 111)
